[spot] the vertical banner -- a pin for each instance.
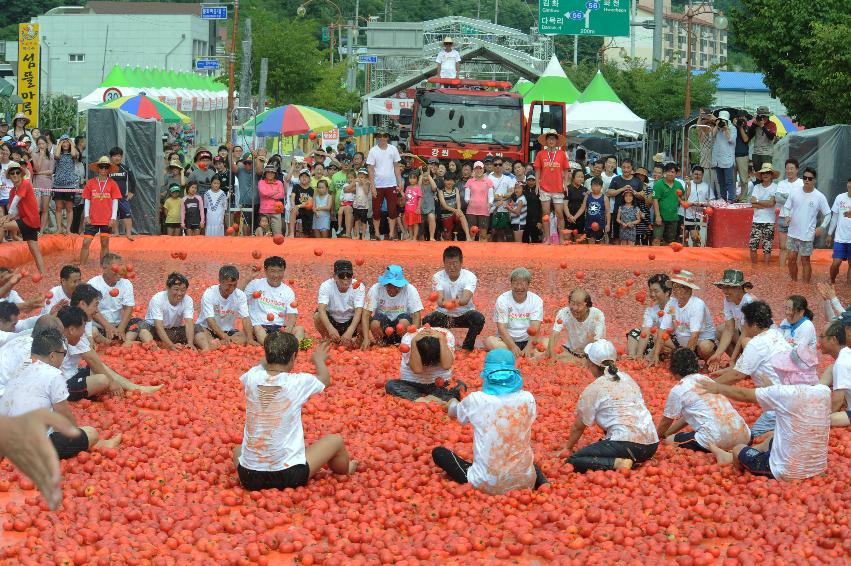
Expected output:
(28, 70)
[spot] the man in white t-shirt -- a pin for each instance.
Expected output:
(582, 322)
(8, 279)
(392, 305)
(271, 303)
(385, 178)
(762, 201)
(16, 351)
(803, 208)
(221, 305)
(785, 187)
(114, 318)
(69, 278)
(839, 377)
(448, 61)
(171, 315)
(427, 356)
(734, 287)
(690, 325)
(839, 233)
(518, 314)
(452, 290)
(339, 306)
(697, 194)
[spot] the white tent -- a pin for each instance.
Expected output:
(604, 117)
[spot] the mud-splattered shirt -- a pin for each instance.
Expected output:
(618, 408)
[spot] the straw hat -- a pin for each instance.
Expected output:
(175, 163)
(104, 160)
(562, 139)
(448, 40)
(659, 158)
(686, 279)
(21, 116)
(768, 168)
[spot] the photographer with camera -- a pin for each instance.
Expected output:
(762, 132)
(742, 154)
(723, 155)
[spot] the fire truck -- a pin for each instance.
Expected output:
(472, 119)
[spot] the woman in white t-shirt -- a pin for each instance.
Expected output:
(798, 327)
(502, 455)
(713, 419)
(613, 401)
(640, 341)
(272, 454)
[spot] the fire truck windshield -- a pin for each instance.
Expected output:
(491, 124)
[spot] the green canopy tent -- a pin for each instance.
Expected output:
(522, 86)
(598, 90)
(553, 86)
(600, 111)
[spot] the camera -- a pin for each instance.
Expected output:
(721, 123)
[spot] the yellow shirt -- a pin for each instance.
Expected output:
(172, 209)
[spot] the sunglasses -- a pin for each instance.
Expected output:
(103, 166)
(14, 173)
(63, 352)
(344, 275)
(809, 178)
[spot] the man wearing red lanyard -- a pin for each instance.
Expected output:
(23, 211)
(100, 196)
(550, 165)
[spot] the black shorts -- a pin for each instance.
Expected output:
(635, 334)
(78, 387)
(173, 225)
(361, 214)
(294, 476)
(27, 233)
(522, 344)
(92, 230)
(756, 462)
(177, 334)
(272, 328)
(340, 327)
(124, 209)
(67, 196)
(68, 447)
(686, 440)
(193, 226)
(385, 322)
(138, 323)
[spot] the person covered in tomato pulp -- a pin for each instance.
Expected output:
(100, 195)
(427, 358)
(273, 454)
(501, 415)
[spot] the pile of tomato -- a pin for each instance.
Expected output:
(169, 493)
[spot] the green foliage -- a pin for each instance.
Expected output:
(802, 49)
(59, 114)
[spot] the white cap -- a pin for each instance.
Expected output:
(601, 351)
(478, 164)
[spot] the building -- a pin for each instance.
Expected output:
(81, 44)
(709, 47)
(745, 90)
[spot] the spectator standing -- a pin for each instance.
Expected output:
(385, 178)
(42, 180)
(723, 155)
(617, 186)
(840, 232)
(762, 132)
(126, 182)
(803, 208)
(478, 194)
(697, 194)
(742, 154)
(665, 204)
(65, 184)
(448, 61)
(551, 164)
(784, 188)
(762, 201)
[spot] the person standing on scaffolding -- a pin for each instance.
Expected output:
(448, 61)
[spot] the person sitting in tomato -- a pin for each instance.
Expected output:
(392, 305)
(426, 365)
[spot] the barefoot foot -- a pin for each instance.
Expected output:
(353, 466)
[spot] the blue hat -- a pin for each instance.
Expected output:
(500, 374)
(845, 317)
(393, 276)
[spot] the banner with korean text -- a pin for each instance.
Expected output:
(28, 71)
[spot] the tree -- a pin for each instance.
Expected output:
(799, 47)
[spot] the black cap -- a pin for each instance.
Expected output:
(489, 158)
(434, 161)
(343, 266)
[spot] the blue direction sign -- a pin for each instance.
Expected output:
(214, 12)
(206, 64)
(367, 59)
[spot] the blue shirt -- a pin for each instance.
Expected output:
(724, 150)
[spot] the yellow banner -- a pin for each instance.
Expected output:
(28, 70)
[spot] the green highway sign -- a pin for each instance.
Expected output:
(608, 18)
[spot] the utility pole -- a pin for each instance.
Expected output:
(245, 76)
(261, 89)
(350, 29)
(496, 11)
(575, 50)
(229, 134)
(658, 30)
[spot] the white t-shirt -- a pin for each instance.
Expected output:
(36, 385)
(429, 373)
(784, 189)
(225, 311)
(580, 334)
(804, 209)
(841, 206)
(406, 301)
(273, 438)
(804, 334)
(699, 193)
(110, 307)
(58, 295)
(12, 297)
(712, 416)
(502, 186)
(172, 316)
(341, 307)
(755, 360)
(502, 440)
(517, 316)
(272, 300)
(693, 317)
(799, 447)
(73, 355)
(452, 290)
(447, 61)
(763, 215)
(841, 373)
(384, 161)
(652, 319)
(15, 353)
(618, 408)
(734, 312)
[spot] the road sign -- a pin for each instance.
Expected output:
(326, 33)
(214, 12)
(206, 64)
(111, 94)
(367, 59)
(608, 18)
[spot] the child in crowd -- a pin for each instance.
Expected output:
(301, 205)
(597, 213)
(451, 213)
(501, 414)
(192, 210)
(322, 203)
(361, 204)
(273, 455)
(500, 215)
(172, 206)
(216, 203)
(517, 208)
(263, 229)
(629, 216)
(413, 200)
(347, 200)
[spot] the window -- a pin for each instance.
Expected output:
(76, 57)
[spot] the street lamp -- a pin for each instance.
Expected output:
(719, 21)
(302, 10)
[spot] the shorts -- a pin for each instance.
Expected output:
(501, 221)
(686, 440)
(448, 222)
(480, 221)
(557, 198)
(762, 231)
(596, 235)
(137, 322)
(346, 203)
(340, 327)
(841, 250)
(802, 248)
(4, 202)
(78, 387)
(574, 353)
(411, 218)
(635, 334)
(306, 217)
(667, 232)
(756, 462)
(67, 196)
(294, 476)
(691, 225)
(124, 209)
(361, 214)
(193, 226)
(517, 227)
(173, 225)
(521, 344)
(412, 391)
(272, 328)
(27, 233)
(92, 230)
(675, 341)
(68, 447)
(385, 322)
(177, 334)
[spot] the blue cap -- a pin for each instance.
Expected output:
(500, 374)
(393, 276)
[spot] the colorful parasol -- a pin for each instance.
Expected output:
(144, 106)
(295, 119)
(784, 124)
